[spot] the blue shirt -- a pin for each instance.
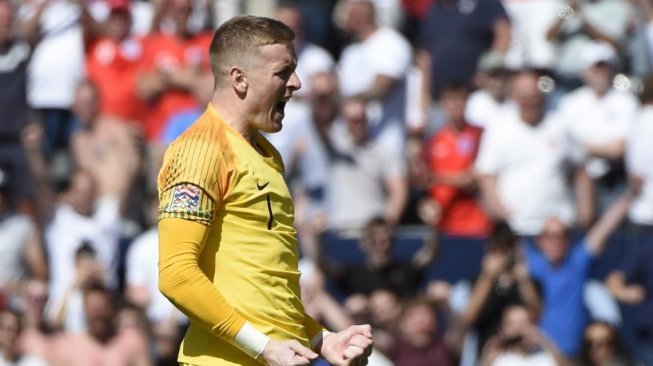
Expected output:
(178, 123)
(564, 316)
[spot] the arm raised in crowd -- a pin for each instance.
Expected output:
(597, 237)
(32, 138)
(30, 28)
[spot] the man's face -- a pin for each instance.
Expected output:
(81, 194)
(99, 312)
(526, 93)
(553, 241)
(453, 103)
(9, 330)
(86, 105)
(516, 321)
(354, 112)
(599, 77)
(119, 25)
(271, 82)
(6, 20)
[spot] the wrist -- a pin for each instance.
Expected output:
(250, 340)
(316, 341)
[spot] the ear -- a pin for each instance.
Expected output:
(239, 80)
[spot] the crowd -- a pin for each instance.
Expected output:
(472, 177)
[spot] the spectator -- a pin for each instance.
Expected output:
(11, 352)
(37, 333)
(88, 271)
(519, 342)
(561, 270)
(504, 282)
(599, 119)
(486, 103)
(419, 341)
(365, 72)
(451, 155)
(112, 58)
(104, 146)
(527, 147)
(454, 34)
(381, 271)
(602, 346)
(56, 67)
(367, 179)
(101, 343)
(14, 111)
(21, 253)
(632, 285)
(579, 25)
(78, 215)
(174, 62)
(639, 155)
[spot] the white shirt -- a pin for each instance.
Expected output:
(15, 231)
(357, 181)
(481, 109)
(639, 162)
(530, 21)
(594, 120)
(529, 163)
(611, 17)
(57, 64)
(385, 52)
(64, 235)
(514, 359)
(142, 270)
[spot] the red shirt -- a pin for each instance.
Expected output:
(112, 67)
(453, 152)
(166, 52)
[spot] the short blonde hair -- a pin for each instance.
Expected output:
(240, 37)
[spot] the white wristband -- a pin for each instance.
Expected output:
(251, 340)
(318, 338)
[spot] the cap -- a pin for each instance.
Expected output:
(597, 52)
(490, 62)
(119, 5)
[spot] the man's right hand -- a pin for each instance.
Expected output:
(287, 353)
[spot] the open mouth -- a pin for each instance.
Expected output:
(280, 107)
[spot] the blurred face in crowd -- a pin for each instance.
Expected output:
(418, 324)
(86, 105)
(453, 103)
(599, 77)
(35, 296)
(119, 24)
(599, 339)
(525, 92)
(324, 98)
(81, 193)
(385, 309)
(293, 19)
(553, 240)
(377, 243)
(359, 18)
(10, 329)
(354, 112)
(89, 269)
(495, 83)
(6, 21)
(99, 311)
(179, 12)
(516, 322)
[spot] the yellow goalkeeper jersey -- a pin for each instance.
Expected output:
(212, 175)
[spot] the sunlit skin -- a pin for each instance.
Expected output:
(99, 315)
(10, 329)
(377, 245)
(118, 25)
(419, 325)
(6, 21)
(271, 81)
(354, 112)
(599, 78)
(81, 194)
(453, 104)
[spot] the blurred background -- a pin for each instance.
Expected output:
(472, 177)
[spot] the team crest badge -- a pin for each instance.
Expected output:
(186, 197)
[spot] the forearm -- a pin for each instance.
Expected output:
(479, 295)
(397, 198)
(612, 150)
(584, 190)
(529, 295)
(182, 281)
(491, 198)
(333, 313)
(30, 29)
(598, 35)
(502, 36)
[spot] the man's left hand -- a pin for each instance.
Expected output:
(350, 347)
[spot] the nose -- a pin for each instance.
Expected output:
(294, 83)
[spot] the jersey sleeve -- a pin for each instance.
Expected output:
(193, 179)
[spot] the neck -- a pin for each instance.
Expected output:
(366, 32)
(457, 126)
(225, 106)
